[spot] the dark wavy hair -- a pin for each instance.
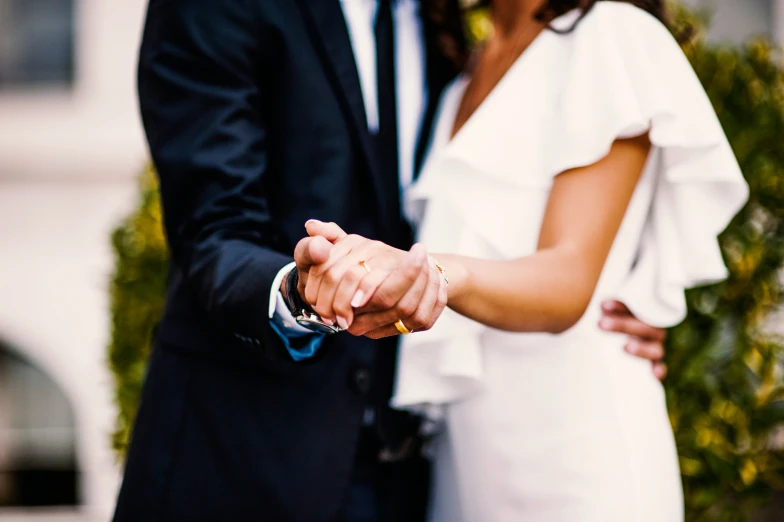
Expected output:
(446, 18)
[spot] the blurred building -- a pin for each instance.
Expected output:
(736, 20)
(70, 147)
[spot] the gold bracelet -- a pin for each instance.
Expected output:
(441, 270)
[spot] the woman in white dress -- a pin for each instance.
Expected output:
(579, 160)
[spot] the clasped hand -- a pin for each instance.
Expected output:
(366, 286)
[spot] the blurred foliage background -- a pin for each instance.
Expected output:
(726, 384)
(725, 390)
(138, 288)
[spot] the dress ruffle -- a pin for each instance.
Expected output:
(634, 79)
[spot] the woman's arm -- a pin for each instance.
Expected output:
(550, 290)
(547, 291)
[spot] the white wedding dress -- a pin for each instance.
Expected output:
(567, 428)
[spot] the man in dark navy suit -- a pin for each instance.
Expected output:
(260, 115)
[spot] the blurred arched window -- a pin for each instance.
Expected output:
(36, 43)
(38, 463)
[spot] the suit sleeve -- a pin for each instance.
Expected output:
(202, 108)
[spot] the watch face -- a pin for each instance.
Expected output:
(315, 324)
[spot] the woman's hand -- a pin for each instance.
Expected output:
(354, 270)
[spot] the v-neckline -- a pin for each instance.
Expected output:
(464, 79)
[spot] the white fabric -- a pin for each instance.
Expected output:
(410, 88)
(279, 310)
(557, 428)
(275, 288)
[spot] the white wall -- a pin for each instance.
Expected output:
(54, 270)
(777, 20)
(737, 20)
(68, 162)
(91, 132)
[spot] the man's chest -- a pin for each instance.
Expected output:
(410, 71)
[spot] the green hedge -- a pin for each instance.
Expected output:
(726, 394)
(137, 288)
(725, 389)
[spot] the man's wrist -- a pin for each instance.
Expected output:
(301, 310)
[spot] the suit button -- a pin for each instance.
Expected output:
(361, 380)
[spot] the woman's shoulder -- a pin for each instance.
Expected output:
(616, 42)
(617, 20)
(619, 11)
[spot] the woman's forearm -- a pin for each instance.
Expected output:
(550, 290)
(545, 292)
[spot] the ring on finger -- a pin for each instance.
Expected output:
(402, 328)
(365, 265)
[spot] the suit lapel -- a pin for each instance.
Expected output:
(328, 26)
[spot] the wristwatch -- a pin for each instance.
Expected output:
(301, 310)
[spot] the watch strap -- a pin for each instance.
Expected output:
(293, 300)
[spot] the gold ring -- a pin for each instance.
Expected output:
(401, 327)
(365, 265)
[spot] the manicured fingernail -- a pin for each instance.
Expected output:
(311, 222)
(605, 324)
(328, 321)
(342, 323)
(632, 347)
(359, 297)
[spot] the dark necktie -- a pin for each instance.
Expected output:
(386, 140)
(393, 426)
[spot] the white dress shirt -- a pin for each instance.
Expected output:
(410, 88)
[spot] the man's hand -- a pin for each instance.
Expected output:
(645, 341)
(367, 286)
(309, 252)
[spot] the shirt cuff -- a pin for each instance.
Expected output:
(300, 342)
(275, 290)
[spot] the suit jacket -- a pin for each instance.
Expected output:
(255, 121)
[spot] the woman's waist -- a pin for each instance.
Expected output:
(582, 361)
(586, 334)
(585, 344)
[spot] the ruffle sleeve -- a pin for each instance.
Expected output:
(631, 77)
